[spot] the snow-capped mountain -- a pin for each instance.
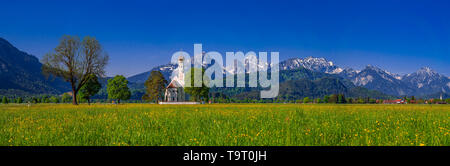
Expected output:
(422, 82)
(166, 70)
(377, 79)
(427, 81)
(311, 63)
(348, 73)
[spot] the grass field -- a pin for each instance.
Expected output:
(225, 124)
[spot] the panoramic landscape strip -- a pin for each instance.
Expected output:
(182, 79)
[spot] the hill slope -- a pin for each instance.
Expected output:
(21, 74)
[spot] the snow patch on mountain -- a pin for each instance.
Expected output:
(311, 63)
(361, 81)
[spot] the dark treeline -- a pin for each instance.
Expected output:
(220, 98)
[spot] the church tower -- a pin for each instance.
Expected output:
(181, 70)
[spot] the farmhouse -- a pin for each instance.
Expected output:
(398, 101)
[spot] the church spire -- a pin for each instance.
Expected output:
(181, 69)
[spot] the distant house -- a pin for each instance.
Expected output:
(397, 101)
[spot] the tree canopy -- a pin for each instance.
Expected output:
(155, 86)
(91, 88)
(118, 88)
(75, 60)
(197, 93)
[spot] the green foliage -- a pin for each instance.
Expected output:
(66, 98)
(360, 101)
(197, 93)
(318, 100)
(19, 100)
(333, 98)
(45, 99)
(118, 88)
(5, 100)
(306, 100)
(54, 99)
(34, 100)
(341, 99)
(91, 88)
(155, 86)
(326, 98)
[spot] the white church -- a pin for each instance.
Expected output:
(174, 93)
(175, 90)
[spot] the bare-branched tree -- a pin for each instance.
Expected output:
(74, 61)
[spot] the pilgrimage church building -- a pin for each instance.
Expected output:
(175, 90)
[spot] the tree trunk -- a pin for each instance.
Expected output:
(89, 101)
(118, 101)
(74, 97)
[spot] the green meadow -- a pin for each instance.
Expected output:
(224, 124)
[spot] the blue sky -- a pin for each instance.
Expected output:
(399, 36)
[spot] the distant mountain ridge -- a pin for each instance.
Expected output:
(20, 73)
(427, 81)
(311, 63)
(422, 82)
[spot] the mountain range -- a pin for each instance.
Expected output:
(423, 82)
(20, 74)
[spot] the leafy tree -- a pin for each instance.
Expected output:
(91, 88)
(19, 100)
(54, 99)
(360, 101)
(372, 101)
(318, 100)
(198, 93)
(34, 100)
(66, 98)
(306, 100)
(350, 100)
(326, 98)
(45, 99)
(333, 98)
(341, 99)
(155, 86)
(5, 100)
(118, 88)
(74, 61)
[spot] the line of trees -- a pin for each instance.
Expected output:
(65, 98)
(332, 99)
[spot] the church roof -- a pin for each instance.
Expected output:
(174, 83)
